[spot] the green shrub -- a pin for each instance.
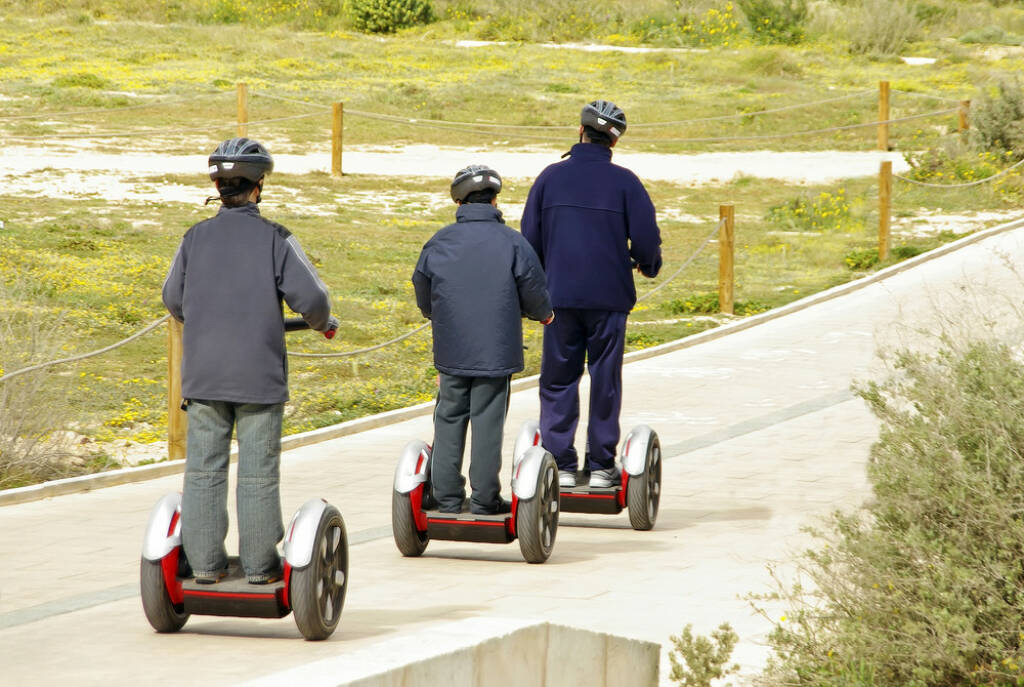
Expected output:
(696, 661)
(862, 259)
(776, 21)
(388, 16)
(991, 35)
(925, 586)
(707, 304)
(997, 118)
(82, 80)
(821, 212)
(881, 26)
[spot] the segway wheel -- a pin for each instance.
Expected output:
(317, 591)
(163, 615)
(537, 519)
(643, 492)
(409, 540)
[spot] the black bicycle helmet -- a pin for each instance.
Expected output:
(240, 158)
(474, 178)
(605, 116)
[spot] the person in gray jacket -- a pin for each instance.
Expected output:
(226, 284)
(475, 280)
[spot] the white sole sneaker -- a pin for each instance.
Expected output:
(603, 479)
(566, 479)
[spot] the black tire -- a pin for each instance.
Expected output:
(163, 615)
(317, 591)
(643, 492)
(537, 519)
(409, 540)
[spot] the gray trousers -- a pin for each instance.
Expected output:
(204, 514)
(461, 400)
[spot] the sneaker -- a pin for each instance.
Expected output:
(264, 579)
(210, 577)
(603, 479)
(566, 479)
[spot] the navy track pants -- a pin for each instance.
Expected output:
(598, 338)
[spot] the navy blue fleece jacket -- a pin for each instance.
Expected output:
(587, 218)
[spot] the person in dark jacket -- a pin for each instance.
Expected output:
(475, 280)
(226, 284)
(590, 222)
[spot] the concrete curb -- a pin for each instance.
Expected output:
(74, 485)
(485, 652)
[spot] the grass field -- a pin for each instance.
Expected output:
(96, 264)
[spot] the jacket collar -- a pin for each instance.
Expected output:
(590, 151)
(247, 209)
(478, 212)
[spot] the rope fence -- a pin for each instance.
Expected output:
(724, 229)
(534, 132)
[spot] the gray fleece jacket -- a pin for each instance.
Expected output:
(226, 284)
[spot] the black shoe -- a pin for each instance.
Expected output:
(501, 508)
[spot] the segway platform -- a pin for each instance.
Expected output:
(639, 468)
(234, 596)
(533, 519)
(486, 529)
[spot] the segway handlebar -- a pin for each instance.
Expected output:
(294, 324)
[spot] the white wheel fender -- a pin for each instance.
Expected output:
(300, 535)
(526, 471)
(159, 540)
(634, 450)
(529, 435)
(413, 466)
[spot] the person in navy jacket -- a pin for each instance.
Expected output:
(475, 280)
(590, 222)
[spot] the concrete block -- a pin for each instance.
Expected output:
(576, 657)
(632, 662)
(512, 660)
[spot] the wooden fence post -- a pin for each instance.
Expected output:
(336, 134)
(884, 209)
(883, 115)
(726, 251)
(177, 420)
(965, 110)
(243, 109)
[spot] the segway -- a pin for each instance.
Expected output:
(313, 585)
(640, 487)
(533, 520)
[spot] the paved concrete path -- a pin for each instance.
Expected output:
(760, 432)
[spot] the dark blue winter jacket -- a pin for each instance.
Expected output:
(586, 218)
(475, 280)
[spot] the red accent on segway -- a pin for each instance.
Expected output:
(286, 599)
(419, 461)
(466, 523)
(329, 334)
(625, 483)
(536, 438)
(174, 522)
(169, 567)
(230, 595)
(515, 508)
(416, 501)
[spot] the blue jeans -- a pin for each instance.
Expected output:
(597, 338)
(204, 513)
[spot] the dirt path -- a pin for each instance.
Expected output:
(33, 172)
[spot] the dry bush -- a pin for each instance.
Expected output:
(881, 26)
(34, 411)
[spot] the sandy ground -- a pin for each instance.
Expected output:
(83, 172)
